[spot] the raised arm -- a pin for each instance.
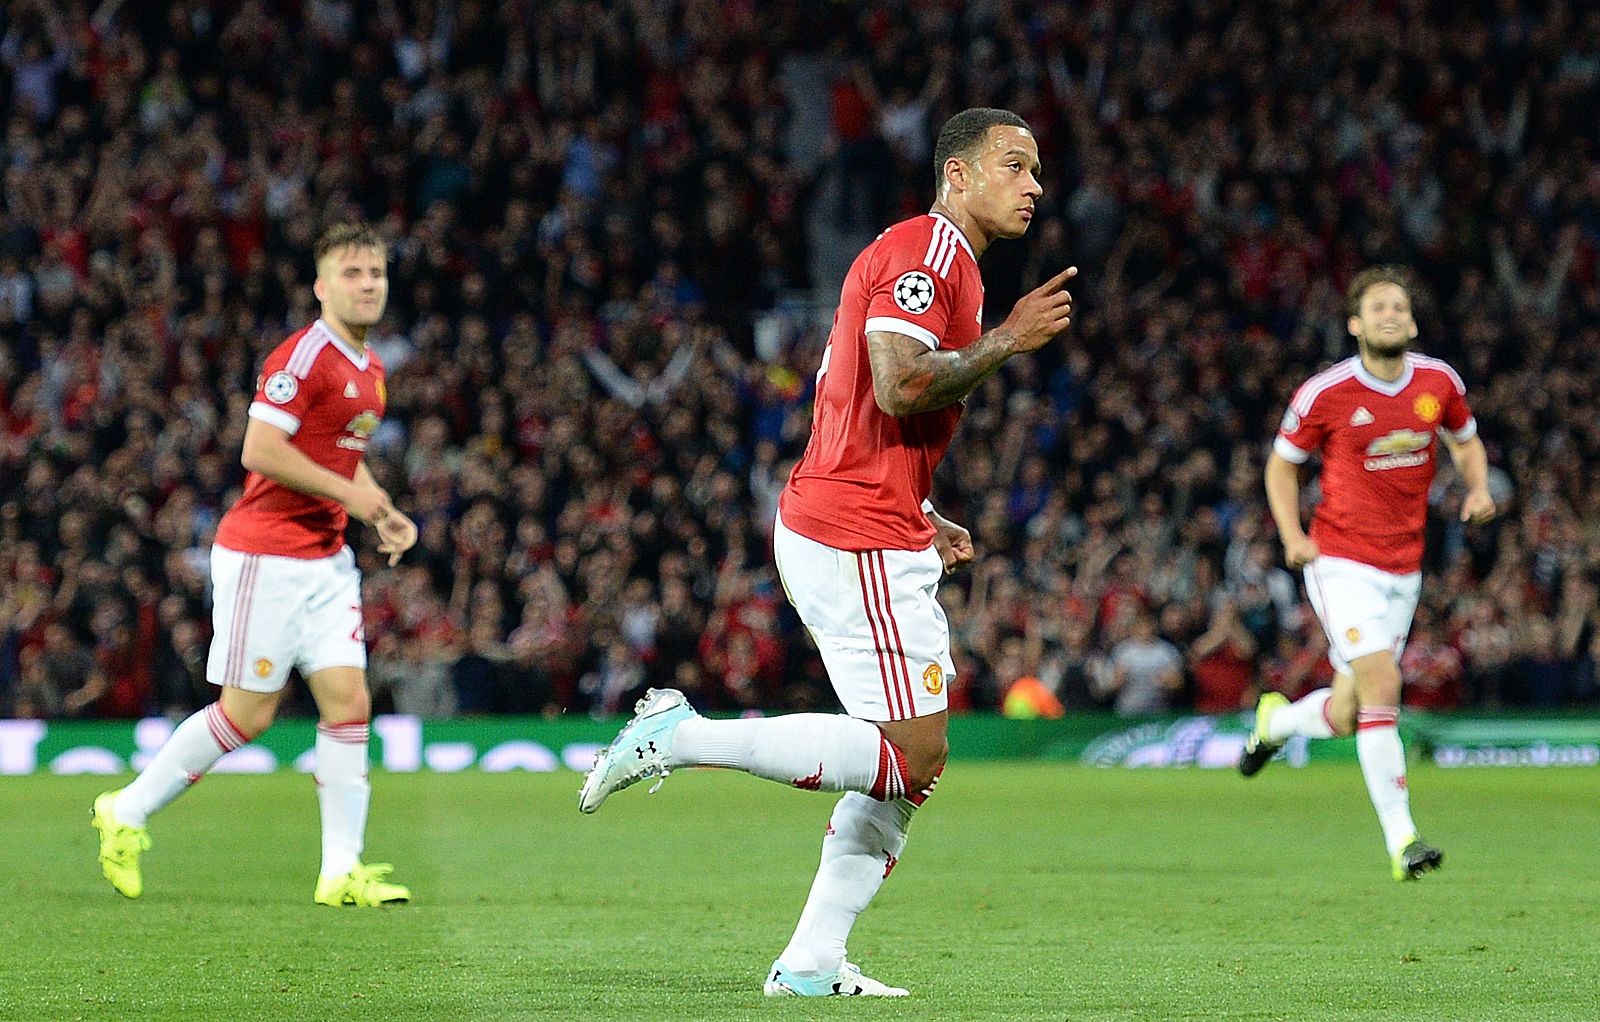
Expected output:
(908, 378)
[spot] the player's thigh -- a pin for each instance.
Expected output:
(257, 604)
(1356, 604)
(877, 623)
(331, 631)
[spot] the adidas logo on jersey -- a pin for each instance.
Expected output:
(1361, 417)
(351, 391)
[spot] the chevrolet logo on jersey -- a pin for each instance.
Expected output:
(1401, 441)
(362, 427)
(1404, 448)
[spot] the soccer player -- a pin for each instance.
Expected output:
(1375, 418)
(860, 549)
(286, 591)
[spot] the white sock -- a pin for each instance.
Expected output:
(343, 792)
(863, 842)
(189, 752)
(1383, 764)
(814, 751)
(1306, 716)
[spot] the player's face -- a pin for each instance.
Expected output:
(1384, 325)
(353, 285)
(1005, 182)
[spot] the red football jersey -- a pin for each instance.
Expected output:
(329, 398)
(1379, 449)
(863, 477)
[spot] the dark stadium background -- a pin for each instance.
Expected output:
(617, 233)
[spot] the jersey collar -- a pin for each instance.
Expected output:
(359, 358)
(957, 231)
(1371, 382)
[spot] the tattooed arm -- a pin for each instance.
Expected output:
(908, 378)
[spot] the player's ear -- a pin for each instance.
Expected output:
(955, 173)
(1353, 324)
(318, 290)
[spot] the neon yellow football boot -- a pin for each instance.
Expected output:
(362, 887)
(120, 847)
(1258, 748)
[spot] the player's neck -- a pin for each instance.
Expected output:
(1387, 368)
(355, 336)
(966, 225)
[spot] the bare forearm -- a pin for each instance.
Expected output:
(287, 465)
(1472, 461)
(935, 379)
(1283, 496)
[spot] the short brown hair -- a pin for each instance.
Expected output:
(1371, 277)
(358, 234)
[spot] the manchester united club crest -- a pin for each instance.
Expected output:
(263, 667)
(1427, 408)
(933, 679)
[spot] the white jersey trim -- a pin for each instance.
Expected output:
(318, 337)
(1309, 391)
(962, 238)
(306, 351)
(1463, 434)
(274, 417)
(1289, 452)
(888, 324)
(1429, 362)
(1385, 387)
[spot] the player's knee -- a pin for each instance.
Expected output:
(251, 719)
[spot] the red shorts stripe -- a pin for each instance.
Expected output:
(897, 657)
(868, 598)
(241, 620)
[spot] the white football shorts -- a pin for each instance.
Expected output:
(1363, 609)
(271, 614)
(876, 620)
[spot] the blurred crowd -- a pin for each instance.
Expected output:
(602, 330)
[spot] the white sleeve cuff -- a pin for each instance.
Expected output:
(891, 325)
(927, 507)
(1289, 452)
(275, 417)
(1465, 433)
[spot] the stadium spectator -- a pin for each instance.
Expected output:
(566, 190)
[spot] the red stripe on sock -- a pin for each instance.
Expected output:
(1369, 717)
(223, 731)
(922, 796)
(890, 783)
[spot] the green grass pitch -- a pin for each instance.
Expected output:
(1028, 891)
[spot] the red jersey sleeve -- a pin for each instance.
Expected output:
(1457, 419)
(282, 395)
(908, 288)
(1304, 428)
